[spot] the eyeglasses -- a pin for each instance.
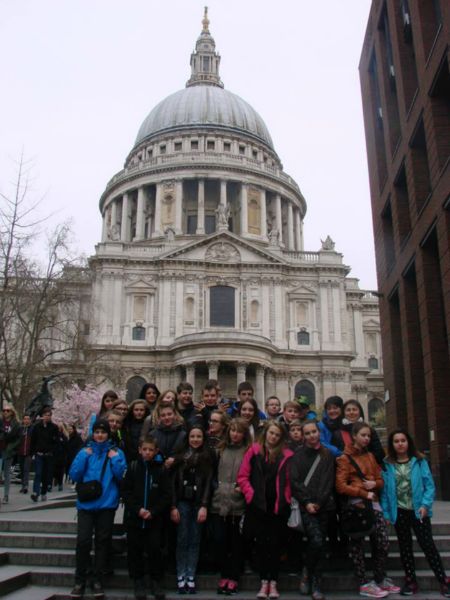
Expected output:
(214, 421)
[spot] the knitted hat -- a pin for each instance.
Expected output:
(103, 425)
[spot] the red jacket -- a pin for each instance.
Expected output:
(251, 480)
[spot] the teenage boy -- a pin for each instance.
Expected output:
(245, 392)
(115, 420)
(291, 412)
(44, 439)
(208, 402)
(295, 435)
(273, 407)
(146, 493)
(186, 406)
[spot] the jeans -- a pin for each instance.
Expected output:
(7, 462)
(100, 523)
(42, 473)
(25, 466)
(188, 539)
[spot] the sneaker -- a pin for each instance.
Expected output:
(181, 585)
(232, 588)
(78, 591)
(222, 586)
(35, 498)
(97, 589)
(273, 592)
(264, 590)
(445, 589)
(44, 498)
(409, 588)
(190, 584)
(371, 590)
(388, 586)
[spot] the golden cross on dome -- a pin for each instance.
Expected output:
(205, 20)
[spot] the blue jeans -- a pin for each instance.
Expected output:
(42, 473)
(188, 539)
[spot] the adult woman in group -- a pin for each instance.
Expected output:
(358, 477)
(312, 482)
(407, 501)
(264, 481)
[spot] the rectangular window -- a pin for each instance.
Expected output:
(388, 238)
(255, 154)
(206, 61)
(162, 149)
(191, 224)
(194, 144)
(408, 70)
(221, 306)
(241, 149)
(430, 22)
(210, 145)
(178, 146)
(440, 112)
(210, 223)
(402, 205)
(420, 168)
(380, 150)
(226, 147)
(390, 83)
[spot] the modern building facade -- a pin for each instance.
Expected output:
(201, 271)
(405, 83)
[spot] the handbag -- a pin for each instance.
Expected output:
(91, 490)
(295, 520)
(357, 521)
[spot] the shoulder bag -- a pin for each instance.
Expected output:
(91, 490)
(357, 521)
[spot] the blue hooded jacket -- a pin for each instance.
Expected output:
(422, 487)
(88, 467)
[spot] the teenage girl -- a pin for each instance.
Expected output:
(191, 487)
(106, 404)
(248, 410)
(217, 429)
(350, 484)
(228, 505)
(264, 481)
(316, 502)
(150, 394)
(407, 502)
(132, 428)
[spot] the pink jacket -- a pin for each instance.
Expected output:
(251, 479)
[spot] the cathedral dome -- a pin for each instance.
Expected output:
(204, 105)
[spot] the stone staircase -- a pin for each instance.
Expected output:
(37, 562)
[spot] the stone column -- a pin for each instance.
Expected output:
(223, 192)
(270, 384)
(241, 370)
(140, 218)
(260, 387)
(263, 215)
(190, 375)
(178, 206)
(290, 225)
(301, 233)
(201, 207)
(104, 231)
(113, 214)
(213, 369)
(158, 232)
(244, 209)
(278, 217)
(298, 239)
(125, 226)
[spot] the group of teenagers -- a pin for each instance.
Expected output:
(239, 470)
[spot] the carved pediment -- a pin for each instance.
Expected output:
(303, 291)
(139, 285)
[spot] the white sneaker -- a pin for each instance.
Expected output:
(387, 585)
(371, 590)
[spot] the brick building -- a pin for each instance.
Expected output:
(404, 71)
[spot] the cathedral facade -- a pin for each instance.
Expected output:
(201, 271)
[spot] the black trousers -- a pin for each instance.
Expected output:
(406, 520)
(228, 545)
(144, 549)
(97, 523)
(316, 527)
(268, 544)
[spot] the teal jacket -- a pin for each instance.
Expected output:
(422, 486)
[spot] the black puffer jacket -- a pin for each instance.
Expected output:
(320, 487)
(192, 477)
(170, 440)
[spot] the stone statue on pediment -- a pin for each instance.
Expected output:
(328, 244)
(223, 214)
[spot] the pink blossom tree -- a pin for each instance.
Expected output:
(77, 406)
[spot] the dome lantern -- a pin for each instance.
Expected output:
(205, 60)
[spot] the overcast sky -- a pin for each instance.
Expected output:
(79, 77)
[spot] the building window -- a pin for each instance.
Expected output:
(150, 152)
(210, 223)
(241, 149)
(134, 387)
(210, 145)
(86, 328)
(162, 149)
(303, 338)
(421, 169)
(388, 238)
(402, 204)
(192, 224)
(221, 306)
(306, 389)
(373, 363)
(226, 147)
(178, 146)
(138, 333)
(194, 144)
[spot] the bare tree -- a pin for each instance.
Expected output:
(40, 298)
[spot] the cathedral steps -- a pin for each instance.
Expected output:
(37, 560)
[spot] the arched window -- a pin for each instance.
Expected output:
(221, 306)
(376, 410)
(134, 386)
(306, 388)
(138, 333)
(303, 338)
(373, 363)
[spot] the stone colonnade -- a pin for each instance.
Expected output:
(152, 214)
